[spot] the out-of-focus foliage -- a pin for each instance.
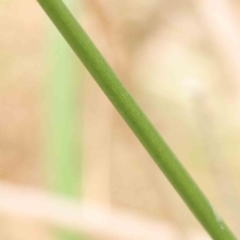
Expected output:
(180, 66)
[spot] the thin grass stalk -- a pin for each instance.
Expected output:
(136, 119)
(63, 141)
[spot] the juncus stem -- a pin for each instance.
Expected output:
(136, 119)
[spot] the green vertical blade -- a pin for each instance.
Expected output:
(63, 93)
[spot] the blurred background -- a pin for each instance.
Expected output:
(70, 168)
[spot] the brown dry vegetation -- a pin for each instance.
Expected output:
(177, 69)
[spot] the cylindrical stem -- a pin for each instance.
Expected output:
(136, 119)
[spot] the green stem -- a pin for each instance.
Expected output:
(136, 119)
(64, 163)
(62, 92)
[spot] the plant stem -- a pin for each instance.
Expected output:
(64, 163)
(61, 91)
(136, 119)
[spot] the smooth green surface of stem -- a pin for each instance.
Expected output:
(136, 119)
